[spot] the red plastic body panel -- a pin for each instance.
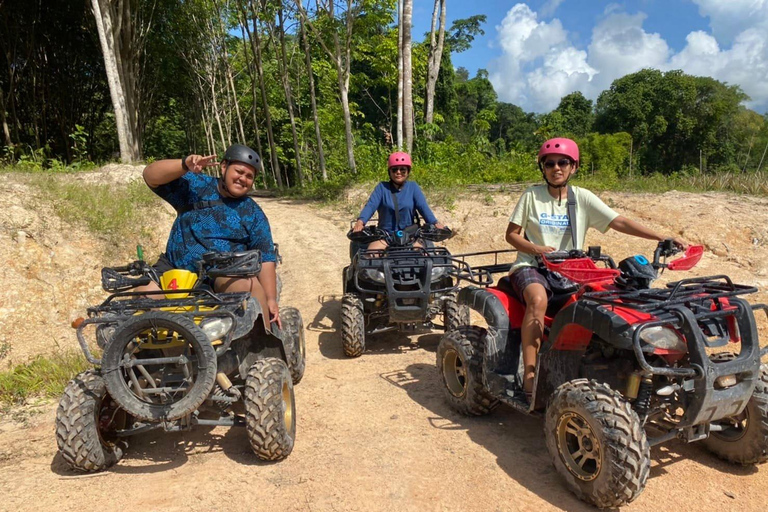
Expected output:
(689, 260)
(583, 271)
(573, 337)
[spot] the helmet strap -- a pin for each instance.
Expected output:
(223, 182)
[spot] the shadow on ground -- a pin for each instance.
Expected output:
(517, 441)
(158, 451)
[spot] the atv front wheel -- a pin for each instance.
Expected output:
(352, 325)
(745, 438)
(597, 443)
(159, 391)
(270, 409)
(460, 364)
(293, 330)
(454, 314)
(86, 421)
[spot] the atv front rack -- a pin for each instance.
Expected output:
(121, 306)
(691, 291)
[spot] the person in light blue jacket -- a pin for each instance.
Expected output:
(408, 195)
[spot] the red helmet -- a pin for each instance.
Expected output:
(560, 146)
(398, 159)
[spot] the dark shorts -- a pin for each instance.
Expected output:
(525, 276)
(162, 265)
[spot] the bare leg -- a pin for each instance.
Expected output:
(151, 287)
(245, 284)
(532, 330)
(378, 245)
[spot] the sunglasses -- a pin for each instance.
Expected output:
(562, 163)
(399, 169)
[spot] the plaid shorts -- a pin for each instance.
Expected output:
(525, 276)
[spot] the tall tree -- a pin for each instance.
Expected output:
(341, 56)
(407, 119)
(313, 100)
(283, 67)
(435, 55)
(122, 29)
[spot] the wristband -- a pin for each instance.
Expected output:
(184, 163)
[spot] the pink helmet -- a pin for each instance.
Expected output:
(560, 146)
(399, 158)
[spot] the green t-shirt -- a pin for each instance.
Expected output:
(546, 222)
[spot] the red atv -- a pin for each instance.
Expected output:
(622, 367)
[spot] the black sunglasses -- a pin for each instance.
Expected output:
(562, 163)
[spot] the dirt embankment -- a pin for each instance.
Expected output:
(374, 433)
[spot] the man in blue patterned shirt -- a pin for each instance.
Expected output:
(215, 214)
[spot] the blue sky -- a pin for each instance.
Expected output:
(538, 51)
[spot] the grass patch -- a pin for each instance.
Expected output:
(44, 376)
(112, 211)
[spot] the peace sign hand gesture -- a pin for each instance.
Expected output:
(196, 163)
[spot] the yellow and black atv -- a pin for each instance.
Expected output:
(180, 357)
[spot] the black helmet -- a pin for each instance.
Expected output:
(240, 153)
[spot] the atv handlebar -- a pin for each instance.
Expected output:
(401, 237)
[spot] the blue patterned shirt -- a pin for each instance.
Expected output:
(238, 224)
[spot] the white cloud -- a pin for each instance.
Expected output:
(539, 64)
(549, 8)
(729, 18)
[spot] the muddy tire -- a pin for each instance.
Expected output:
(454, 314)
(745, 440)
(352, 325)
(293, 330)
(597, 443)
(460, 365)
(270, 409)
(201, 365)
(84, 420)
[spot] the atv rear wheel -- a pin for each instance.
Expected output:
(597, 443)
(165, 391)
(86, 421)
(270, 409)
(745, 438)
(352, 325)
(293, 330)
(454, 314)
(460, 364)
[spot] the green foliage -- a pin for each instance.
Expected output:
(111, 211)
(459, 37)
(45, 376)
(605, 155)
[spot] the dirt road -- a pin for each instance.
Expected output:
(374, 433)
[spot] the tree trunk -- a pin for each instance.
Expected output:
(113, 22)
(313, 101)
(4, 121)
(252, 72)
(343, 63)
(399, 74)
(256, 48)
(288, 92)
(407, 76)
(435, 56)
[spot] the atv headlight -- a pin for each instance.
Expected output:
(438, 272)
(663, 338)
(377, 276)
(216, 328)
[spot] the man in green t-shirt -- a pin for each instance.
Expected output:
(542, 214)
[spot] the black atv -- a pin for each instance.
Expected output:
(622, 367)
(402, 287)
(181, 357)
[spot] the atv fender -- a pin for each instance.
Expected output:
(502, 344)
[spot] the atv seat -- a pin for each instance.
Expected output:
(555, 303)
